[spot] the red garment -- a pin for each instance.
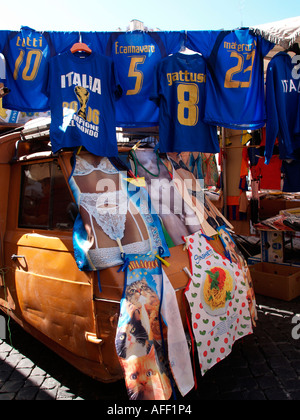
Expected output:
(263, 137)
(268, 175)
(245, 163)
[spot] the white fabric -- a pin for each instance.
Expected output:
(108, 209)
(284, 32)
(179, 356)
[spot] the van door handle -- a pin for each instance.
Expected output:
(14, 256)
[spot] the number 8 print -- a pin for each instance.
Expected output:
(188, 111)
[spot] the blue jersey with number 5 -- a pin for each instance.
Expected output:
(27, 54)
(235, 80)
(135, 55)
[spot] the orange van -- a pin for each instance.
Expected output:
(41, 287)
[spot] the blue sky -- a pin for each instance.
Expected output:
(108, 15)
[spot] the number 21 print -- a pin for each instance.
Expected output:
(239, 70)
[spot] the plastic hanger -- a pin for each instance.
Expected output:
(80, 46)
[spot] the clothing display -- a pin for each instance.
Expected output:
(112, 214)
(194, 164)
(211, 218)
(236, 256)
(178, 217)
(209, 170)
(282, 101)
(291, 174)
(135, 55)
(268, 175)
(82, 90)
(179, 91)
(139, 127)
(235, 82)
(217, 296)
(150, 339)
(27, 53)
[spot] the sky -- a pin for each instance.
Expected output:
(166, 15)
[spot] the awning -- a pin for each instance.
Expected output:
(284, 32)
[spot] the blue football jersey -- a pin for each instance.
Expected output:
(135, 55)
(282, 103)
(179, 91)
(27, 54)
(83, 89)
(235, 76)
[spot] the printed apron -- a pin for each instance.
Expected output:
(217, 296)
(150, 339)
(235, 256)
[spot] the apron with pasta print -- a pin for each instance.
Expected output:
(150, 339)
(236, 256)
(217, 296)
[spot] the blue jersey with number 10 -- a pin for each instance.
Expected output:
(235, 79)
(135, 55)
(27, 54)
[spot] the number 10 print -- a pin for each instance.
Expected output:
(33, 61)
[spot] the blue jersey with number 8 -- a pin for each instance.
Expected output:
(27, 54)
(235, 79)
(179, 90)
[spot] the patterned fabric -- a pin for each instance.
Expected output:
(150, 340)
(113, 214)
(217, 295)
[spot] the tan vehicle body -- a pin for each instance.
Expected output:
(41, 287)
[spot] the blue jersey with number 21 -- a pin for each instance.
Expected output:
(235, 79)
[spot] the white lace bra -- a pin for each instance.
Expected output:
(109, 210)
(83, 167)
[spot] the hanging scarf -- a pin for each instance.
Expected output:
(217, 295)
(150, 339)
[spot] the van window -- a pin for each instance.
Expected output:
(46, 202)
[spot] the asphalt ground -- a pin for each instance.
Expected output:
(263, 366)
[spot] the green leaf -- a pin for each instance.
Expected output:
(214, 279)
(228, 296)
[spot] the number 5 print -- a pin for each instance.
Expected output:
(138, 74)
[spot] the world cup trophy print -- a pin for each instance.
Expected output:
(83, 97)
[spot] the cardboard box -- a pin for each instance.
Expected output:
(254, 260)
(276, 280)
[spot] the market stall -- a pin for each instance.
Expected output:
(153, 131)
